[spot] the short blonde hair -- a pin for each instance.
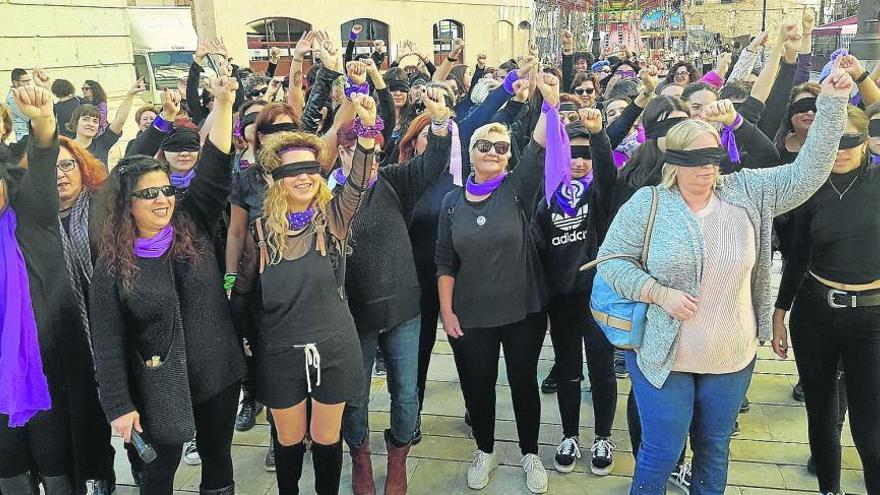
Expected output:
(484, 131)
(680, 137)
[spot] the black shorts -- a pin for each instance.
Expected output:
(281, 373)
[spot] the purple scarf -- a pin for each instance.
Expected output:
(484, 188)
(875, 159)
(23, 387)
(298, 220)
(568, 196)
(728, 139)
(181, 180)
(557, 162)
(154, 247)
(340, 178)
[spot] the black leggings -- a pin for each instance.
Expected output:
(44, 442)
(214, 419)
(477, 353)
(822, 336)
(570, 321)
(244, 318)
(430, 310)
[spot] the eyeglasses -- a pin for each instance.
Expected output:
(606, 70)
(153, 192)
(681, 73)
(580, 91)
(24, 81)
(484, 145)
(66, 165)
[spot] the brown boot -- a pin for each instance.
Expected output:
(395, 480)
(362, 470)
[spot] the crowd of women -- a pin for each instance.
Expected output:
(264, 238)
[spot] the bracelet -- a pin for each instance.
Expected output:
(439, 125)
(368, 131)
(862, 78)
(451, 59)
(162, 124)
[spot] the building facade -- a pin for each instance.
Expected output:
(742, 18)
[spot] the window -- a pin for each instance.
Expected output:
(282, 32)
(445, 33)
(372, 30)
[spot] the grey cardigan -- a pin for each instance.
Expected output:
(676, 253)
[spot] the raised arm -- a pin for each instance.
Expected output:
(125, 107)
(867, 87)
(149, 142)
(196, 111)
(567, 59)
(319, 97)
(37, 195)
(295, 96)
(445, 68)
(764, 83)
(604, 171)
(747, 58)
(777, 102)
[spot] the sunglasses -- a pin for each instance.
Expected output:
(66, 165)
(580, 91)
(484, 145)
(606, 70)
(153, 192)
(259, 92)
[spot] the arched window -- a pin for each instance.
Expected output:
(264, 34)
(445, 33)
(373, 30)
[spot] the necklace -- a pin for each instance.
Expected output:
(840, 194)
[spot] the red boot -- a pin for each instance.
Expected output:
(395, 480)
(362, 470)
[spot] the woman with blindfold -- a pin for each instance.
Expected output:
(305, 323)
(167, 358)
(707, 283)
(873, 113)
(833, 278)
(567, 234)
(491, 282)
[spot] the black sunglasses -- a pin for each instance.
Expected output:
(66, 165)
(259, 92)
(580, 91)
(153, 192)
(484, 145)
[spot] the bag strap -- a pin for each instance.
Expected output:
(261, 243)
(650, 230)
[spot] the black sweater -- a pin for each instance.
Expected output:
(836, 238)
(565, 243)
(144, 316)
(381, 281)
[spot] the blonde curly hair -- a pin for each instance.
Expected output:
(275, 205)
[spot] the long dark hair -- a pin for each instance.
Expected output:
(98, 93)
(786, 127)
(118, 231)
(693, 73)
(645, 167)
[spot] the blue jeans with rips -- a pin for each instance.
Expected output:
(400, 347)
(711, 401)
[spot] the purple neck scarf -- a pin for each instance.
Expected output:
(569, 196)
(484, 188)
(875, 159)
(181, 180)
(728, 139)
(298, 220)
(154, 247)
(557, 162)
(23, 387)
(340, 178)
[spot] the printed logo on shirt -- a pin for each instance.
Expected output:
(568, 224)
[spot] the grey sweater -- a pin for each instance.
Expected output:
(676, 254)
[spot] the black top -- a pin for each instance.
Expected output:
(488, 248)
(836, 238)
(144, 317)
(567, 242)
(248, 191)
(381, 282)
(755, 149)
(101, 144)
(423, 228)
(63, 113)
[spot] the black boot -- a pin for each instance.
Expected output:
(23, 484)
(289, 467)
(247, 415)
(327, 462)
(229, 490)
(57, 485)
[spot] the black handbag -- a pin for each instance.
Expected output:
(165, 398)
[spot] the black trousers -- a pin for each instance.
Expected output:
(822, 336)
(43, 443)
(571, 321)
(215, 419)
(477, 353)
(430, 310)
(244, 317)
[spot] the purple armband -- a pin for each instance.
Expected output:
(512, 77)
(351, 88)
(162, 124)
(368, 131)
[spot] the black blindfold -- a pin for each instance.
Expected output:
(397, 85)
(295, 169)
(581, 152)
(695, 158)
(273, 128)
(801, 106)
(247, 120)
(874, 128)
(848, 141)
(654, 130)
(183, 139)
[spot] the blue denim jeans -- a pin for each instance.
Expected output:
(400, 347)
(711, 401)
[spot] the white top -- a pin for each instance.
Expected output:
(722, 337)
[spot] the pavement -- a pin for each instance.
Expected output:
(767, 458)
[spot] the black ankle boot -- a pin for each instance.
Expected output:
(57, 485)
(229, 490)
(289, 467)
(23, 484)
(327, 462)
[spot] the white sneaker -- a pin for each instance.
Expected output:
(481, 468)
(191, 453)
(536, 475)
